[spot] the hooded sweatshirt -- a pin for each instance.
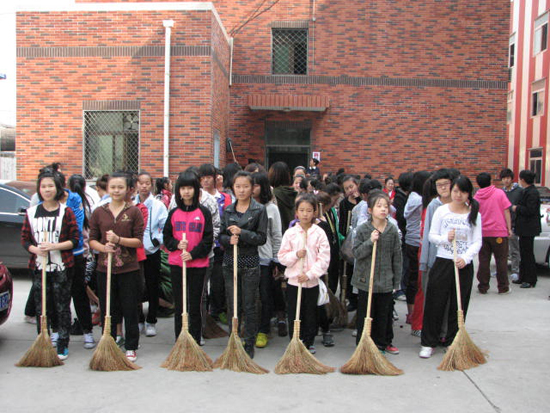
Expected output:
(492, 204)
(285, 196)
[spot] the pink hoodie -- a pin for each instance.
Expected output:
(317, 259)
(493, 202)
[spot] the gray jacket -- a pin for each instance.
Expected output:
(388, 266)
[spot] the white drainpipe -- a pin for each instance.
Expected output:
(168, 24)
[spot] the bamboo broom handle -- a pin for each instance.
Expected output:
(457, 277)
(371, 280)
(184, 282)
(44, 264)
(235, 270)
(108, 292)
(299, 299)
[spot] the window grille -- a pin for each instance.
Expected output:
(111, 142)
(289, 48)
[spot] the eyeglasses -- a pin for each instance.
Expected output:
(443, 185)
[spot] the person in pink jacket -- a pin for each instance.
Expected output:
(305, 251)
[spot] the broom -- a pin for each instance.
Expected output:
(186, 355)
(366, 358)
(463, 353)
(235, 357)
(108, 356)
(41, 353)
(212, 329)
(297, 359)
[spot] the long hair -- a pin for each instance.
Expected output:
(160, 184)
(260, 178)
(229, 173)
(77, 184)
(187, 178)
(279, 175)
(465, 185)
(308, 198)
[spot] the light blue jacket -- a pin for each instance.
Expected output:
(155, 223)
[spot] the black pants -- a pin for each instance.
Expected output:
(412, 282)
(217, 286)
(151, 267)
(81, 301)
(266, 298)
(195, 283)
(58, 302)
(124, 304)
(442, 288)
(381, 314)
(308, 312)
(527, 264)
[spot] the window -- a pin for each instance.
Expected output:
(537, 97)
(535, 163)
(111, 142)
(216, 148)
(512, 51)
(289, 51)
(510, 107)
(12, 203)
(541, 34)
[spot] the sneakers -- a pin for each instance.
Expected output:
(54, 337)
(29, 319)
(119, 341)
(312, 349)
(89, 341)
(223, 318)
(514, 276)
(508, 291)
(354, 333)
(426, 352)
(150, 330)
(131, 355)
(416, 333)
(261, 340)
(392, 349)
(202, 342)
(328, 341)
(62, 353)
(282, 329)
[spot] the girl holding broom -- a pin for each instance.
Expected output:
(387, 273)
(50, 230)
(244, 223)
(458, 220)
(117, 228)
(188, 235)
(316, 255)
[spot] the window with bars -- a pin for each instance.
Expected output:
(289, 51)
(111, 142)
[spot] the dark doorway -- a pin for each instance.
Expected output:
(288, 142)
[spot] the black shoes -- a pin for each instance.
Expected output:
(517, 282)
(527, 285)
(249, 348)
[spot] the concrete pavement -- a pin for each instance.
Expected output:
(514, 329)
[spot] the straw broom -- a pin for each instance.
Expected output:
(186, 355)
(235, 357)
(41, 353)
(367, 359)
(107, 355)
(463, 353)
(297, 358)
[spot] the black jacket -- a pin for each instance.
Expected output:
(253, 225)
(528, 213)
(399, 202)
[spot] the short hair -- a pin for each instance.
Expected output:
(309, 198)
(59, 191)
(389, 178)
(243, 174)
(364, 186)
(279, 174)
(299, 167)
(483, 180)
(315, 161)
(187, 178)
(528, 176)
(207, 169)
(405, 181)
(419, 178)
(350, 178)
(506, 173)
(375, 195)
(333, 189)
(323, 198)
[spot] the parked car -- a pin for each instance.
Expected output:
(542, 242)
(15, 198)
(6, 293)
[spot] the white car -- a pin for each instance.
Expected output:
(542, 242)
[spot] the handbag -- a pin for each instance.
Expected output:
(346, 249)
(323, 297)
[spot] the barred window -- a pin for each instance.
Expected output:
(111, 142)
(289, 51)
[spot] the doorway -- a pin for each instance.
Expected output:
(289, 142)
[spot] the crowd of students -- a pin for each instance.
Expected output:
(289, 229)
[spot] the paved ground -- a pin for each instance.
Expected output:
(514, 329)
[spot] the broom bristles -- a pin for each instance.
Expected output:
(212, 329)
(336, 310)
(186, 355)
(108, 356)
(235, 358)
(367, 358)
(297, 359)
(41, 353)
(462, 354)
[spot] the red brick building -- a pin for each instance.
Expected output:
(379, 86)
(528, 139)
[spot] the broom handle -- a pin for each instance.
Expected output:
(235, 270)
(108, 292)
(344, 285)
(299, 298)
(457, 277)
(184, 282)
(371, 280)
(44, 264)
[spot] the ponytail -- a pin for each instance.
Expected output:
(77, 184)
(474, 210)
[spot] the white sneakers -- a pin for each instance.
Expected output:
(514, 277)
(150, 330)
(426, 352)
(131, 355)
(89, 341)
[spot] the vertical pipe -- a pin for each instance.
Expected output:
(168, 24)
